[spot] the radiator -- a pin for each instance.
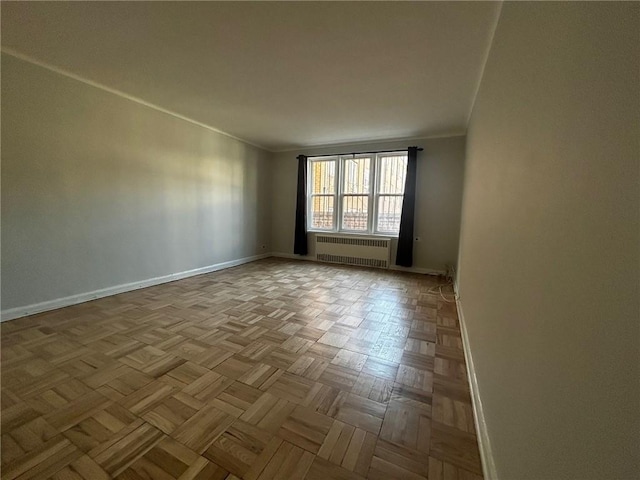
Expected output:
(352, 250)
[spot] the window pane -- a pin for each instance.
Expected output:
(356, 175)
(355, 212)
(389, 210)
(323, 177)
(322, 212)
(393, 170)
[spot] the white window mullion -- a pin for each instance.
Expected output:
(339, 190)
(309, 195)
(336, 195)
(373, 194)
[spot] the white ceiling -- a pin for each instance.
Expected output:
(279, 75)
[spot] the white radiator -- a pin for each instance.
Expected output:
(353, 250)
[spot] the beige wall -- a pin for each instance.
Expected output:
(548, 270)
(438, 197)
(99, 191)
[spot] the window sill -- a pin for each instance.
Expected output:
(354, 234)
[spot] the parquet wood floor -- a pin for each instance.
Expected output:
(272, 370)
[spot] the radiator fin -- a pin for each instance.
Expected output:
(362, 262)
(364, 242)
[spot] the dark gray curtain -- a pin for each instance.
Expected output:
(404, 255)
(300, 241)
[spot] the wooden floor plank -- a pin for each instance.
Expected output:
(239, 447)
(203, 428)
(288, 462)
(131, 443)
(306, 429)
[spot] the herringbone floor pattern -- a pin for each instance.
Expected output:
(272, 370)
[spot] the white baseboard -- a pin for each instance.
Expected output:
(18, 312)
(423, 271)
(488, 466)
(311, 258)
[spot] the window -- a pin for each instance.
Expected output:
(323, 194)
(359, 193)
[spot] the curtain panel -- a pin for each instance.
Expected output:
(404, 255)
(300, 241)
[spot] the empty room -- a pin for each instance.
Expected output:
(320, 240)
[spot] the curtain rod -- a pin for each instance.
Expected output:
(358, 153)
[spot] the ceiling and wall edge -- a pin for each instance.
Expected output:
(484, 61)
(371, 142)
(60, 71)
(66, 73)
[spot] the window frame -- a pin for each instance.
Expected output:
(377, 189)
(311, 195)
(339, 194)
